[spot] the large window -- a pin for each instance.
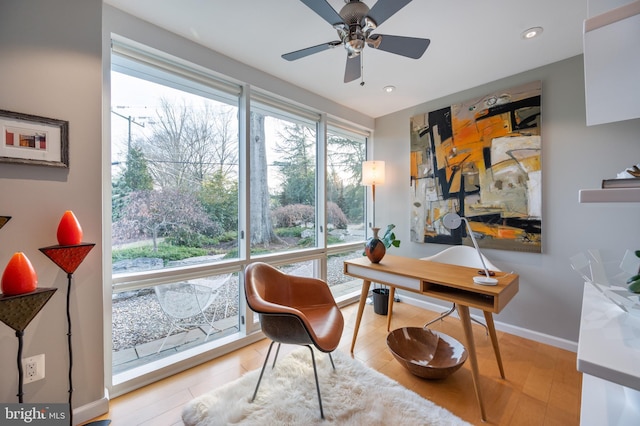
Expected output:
(346, 150)
(345, 194)
(193, 202)
(174, 213)
(283, 195)
(174, 174)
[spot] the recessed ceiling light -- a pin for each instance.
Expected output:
(389, 89)
(531, 33)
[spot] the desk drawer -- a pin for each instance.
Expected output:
(382, 277)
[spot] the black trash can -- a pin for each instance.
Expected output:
(381, 301)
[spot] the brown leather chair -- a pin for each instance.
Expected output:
(294, 310)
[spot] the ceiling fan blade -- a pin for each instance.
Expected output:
(352, 71)
(410, 47)
(384, 9)
(292, 56)
(324, 9)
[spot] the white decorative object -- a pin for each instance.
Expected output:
(625, 173)
(453, 221)
(609, 277)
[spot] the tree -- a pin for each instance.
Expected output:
(297, 165)
(345, 157)
(189, 143)
(219, 197)
(135, 177)
(168, 212)
(119, 194)
(191, 149)
(259, 212)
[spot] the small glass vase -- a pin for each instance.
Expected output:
(375, 248)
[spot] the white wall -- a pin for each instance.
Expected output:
(573, 157)
(50, 65)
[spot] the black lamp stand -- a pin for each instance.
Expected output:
(68, 258)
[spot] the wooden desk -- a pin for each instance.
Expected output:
(443, 281)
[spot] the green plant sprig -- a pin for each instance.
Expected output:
(389, 237)
(634, 281)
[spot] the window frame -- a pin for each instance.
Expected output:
(249, 332)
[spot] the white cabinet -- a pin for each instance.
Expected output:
(611, 64)
(609, 358)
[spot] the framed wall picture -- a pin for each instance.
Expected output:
(480, 159)
(30, 139)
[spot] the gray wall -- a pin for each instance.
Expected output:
(574, 157)
(50, 65)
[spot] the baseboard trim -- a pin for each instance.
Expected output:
(91, 410)
(500, 326)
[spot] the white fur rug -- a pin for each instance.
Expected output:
(353, 394)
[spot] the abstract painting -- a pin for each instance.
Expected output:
(481, 160)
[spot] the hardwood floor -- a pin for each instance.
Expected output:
(542, 385)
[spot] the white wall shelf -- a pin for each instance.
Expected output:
(610, 195)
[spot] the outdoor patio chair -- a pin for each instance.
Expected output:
(185, 303)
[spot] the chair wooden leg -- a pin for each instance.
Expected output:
(262, 371)
(315, 373)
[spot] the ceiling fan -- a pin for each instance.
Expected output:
(354, 24)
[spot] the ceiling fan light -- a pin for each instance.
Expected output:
(353, 12)
(354, 47)
(354, 26)
(368, 25)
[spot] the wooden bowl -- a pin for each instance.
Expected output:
(426, 353)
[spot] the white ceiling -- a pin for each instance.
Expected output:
(473, 42)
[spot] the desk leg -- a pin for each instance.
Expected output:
(363, 301)
(392, 294)
(465, 317)
(488, 316)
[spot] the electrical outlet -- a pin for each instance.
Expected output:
(33, 368)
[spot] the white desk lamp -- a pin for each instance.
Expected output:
(453, 221)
